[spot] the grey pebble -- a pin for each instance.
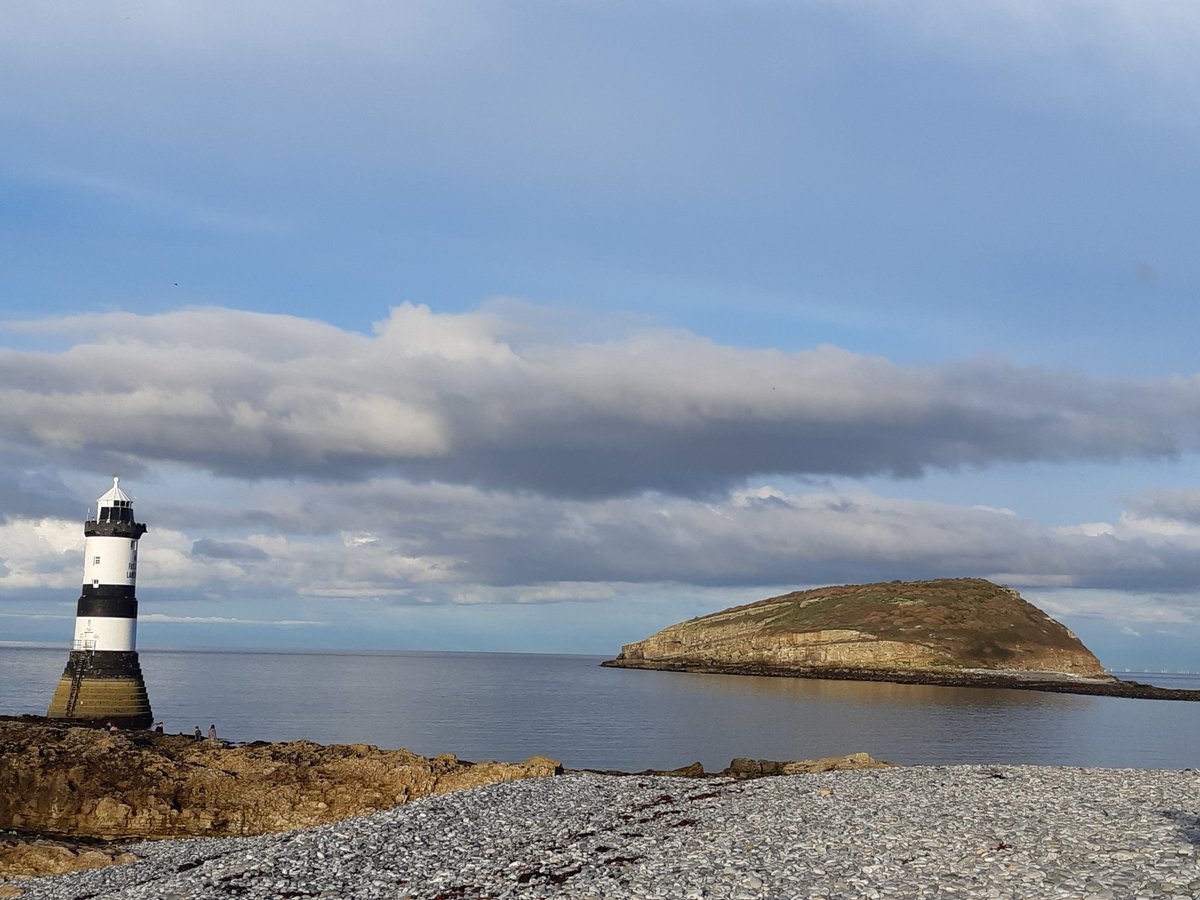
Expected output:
(1035, 832)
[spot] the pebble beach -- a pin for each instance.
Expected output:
(961, 831)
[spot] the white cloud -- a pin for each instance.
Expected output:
(224, 620)
(423, 546)
(449, 397)
(40, 553)
(1181, 505)
(1151, 527)
(390, 544)
(1087, 529)
(467, 460)
(1125, 608)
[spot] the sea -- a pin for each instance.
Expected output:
(511, 706)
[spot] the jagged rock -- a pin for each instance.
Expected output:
(741, 768)
(21, 858)
(695, 770)
(963, 624)
(63, 780)
(87, 783)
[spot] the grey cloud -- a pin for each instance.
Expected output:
(449, 398)
(404, 542)
(235, 550)
(457, 537)
(32, 493)
(1180, 505)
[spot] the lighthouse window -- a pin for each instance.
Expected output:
(95, 561)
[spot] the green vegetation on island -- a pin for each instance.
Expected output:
(954, 631)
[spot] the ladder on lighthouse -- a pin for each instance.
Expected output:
(77, 671)
(73, 697)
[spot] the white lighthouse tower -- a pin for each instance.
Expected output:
(102, 682)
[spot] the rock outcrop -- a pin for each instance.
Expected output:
(67, 793)
(25, 858)
(82, 782)
(743, 769)
(964, 625)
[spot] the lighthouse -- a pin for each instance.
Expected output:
(102, 682)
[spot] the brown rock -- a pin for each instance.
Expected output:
(741, 768)
(85, 783)
(20, 858)
(695, 770)
(852, 762)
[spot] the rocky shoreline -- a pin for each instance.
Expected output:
(71, 797)
(89, 783)
(920, 832)
(996, 678)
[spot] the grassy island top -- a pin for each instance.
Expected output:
(971, 620)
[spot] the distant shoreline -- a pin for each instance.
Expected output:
(1047, 682)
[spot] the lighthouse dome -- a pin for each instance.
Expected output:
(114, 494)
(114, 505)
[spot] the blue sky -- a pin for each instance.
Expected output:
(540, 326)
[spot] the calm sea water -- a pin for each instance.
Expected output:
(512, 706)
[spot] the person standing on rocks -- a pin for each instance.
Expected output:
(212, 732)
(196, 733)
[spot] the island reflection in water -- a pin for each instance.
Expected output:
(512, 706)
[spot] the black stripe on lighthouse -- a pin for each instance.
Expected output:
(111, 607)
(107, 592)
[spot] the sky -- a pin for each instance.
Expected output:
(539, 326)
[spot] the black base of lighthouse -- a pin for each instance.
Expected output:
(102, 687)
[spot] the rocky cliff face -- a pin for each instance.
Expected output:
(941, 625)
(87, 783)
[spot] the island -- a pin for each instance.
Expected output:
(961, 632)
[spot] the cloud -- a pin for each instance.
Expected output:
(227, 550)
(224, 620)
(1180, 505)
(382, 548)
(477, 459)
(395, 541)
(32, 493)
(40, 553)
(474, 399)
(1125, 608)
